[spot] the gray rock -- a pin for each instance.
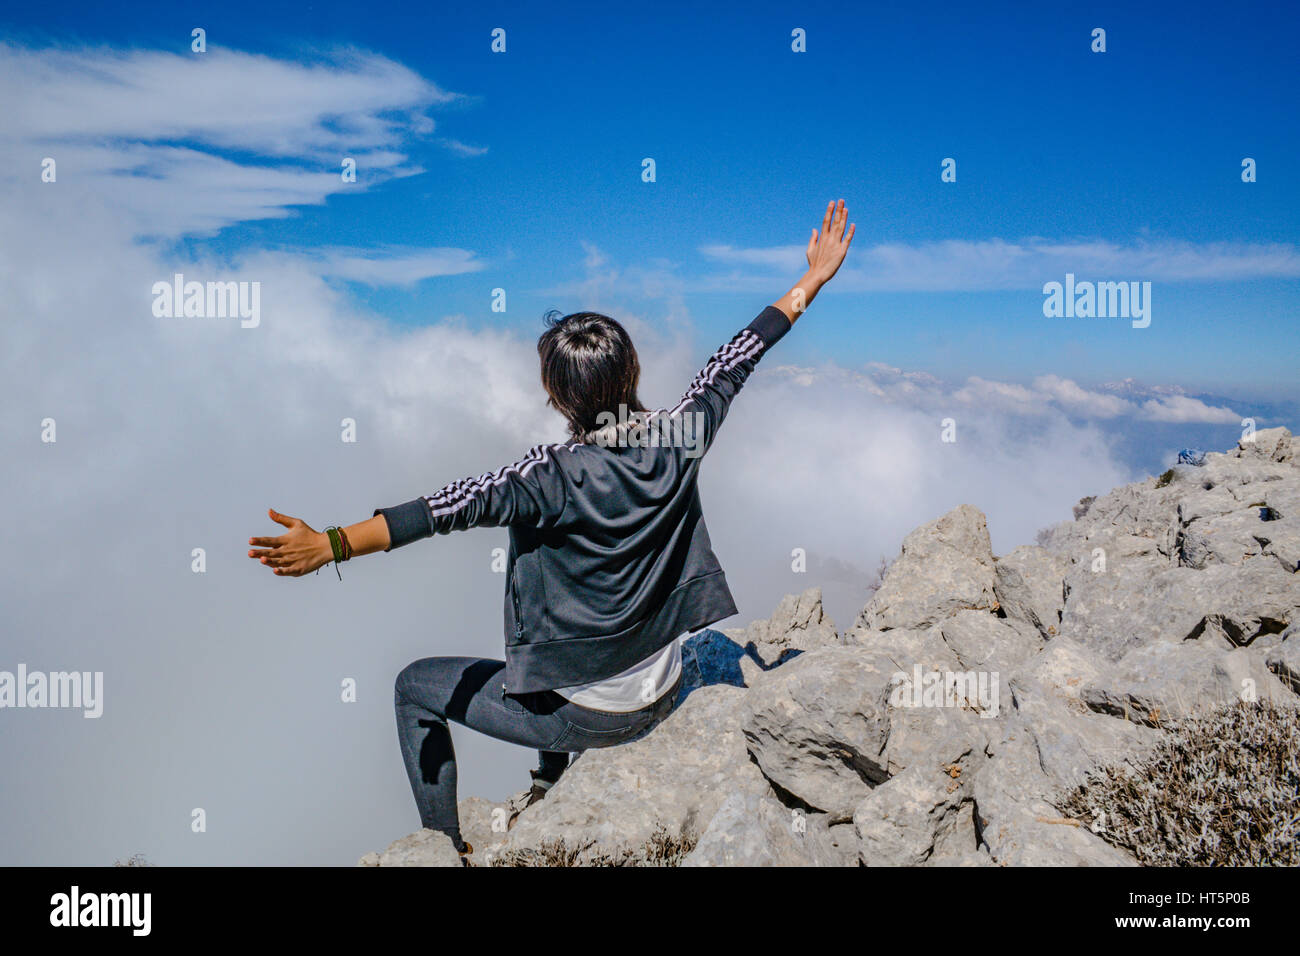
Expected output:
(924, 707)
(752, 829)
(1270, 444)
(675, 778)
(944, 567)
(799, 623)
(817, 727)
(1029, 585)
(1221, 539)
(1243, 603)
(1280, 540)
(1016, 821)
(1140, 598)
(915, 730)
(905, 647)
(1069, 739)
(832, 845)
(483, 825)
(1134, 601)
(984, 642)
(1063, 667)
(979, 857)
(422, 848)
(924, 812)
(1284, 660)
(1166, 680)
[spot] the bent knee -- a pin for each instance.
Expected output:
(408, 679)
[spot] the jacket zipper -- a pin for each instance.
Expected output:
(519, 624)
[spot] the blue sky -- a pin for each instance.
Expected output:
(1139, 145)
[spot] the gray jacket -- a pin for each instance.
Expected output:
(609, 555)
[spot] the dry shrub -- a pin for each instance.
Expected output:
(661, 849)
(1218, 790)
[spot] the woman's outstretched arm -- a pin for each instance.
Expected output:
(825, 253)
(302, 549)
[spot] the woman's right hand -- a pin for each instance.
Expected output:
(827, 250)
(298, 551)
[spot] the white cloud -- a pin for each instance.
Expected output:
(348, 100)
(186, 144)
(1080, 401)
(991, 264)
(462, 149)
(394, 267)
(1185, 410)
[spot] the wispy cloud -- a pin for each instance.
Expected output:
(1048, 395)
(462, 149)
(393, 267)
(990, 264)
(185, 144)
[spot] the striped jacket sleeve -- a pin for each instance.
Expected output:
(528, 492)
(713, 388)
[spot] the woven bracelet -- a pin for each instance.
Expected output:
(335, 545)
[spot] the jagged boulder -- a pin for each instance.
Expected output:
(983, 642)
(799, 623)
(673, 779)
(422, 848)
(1070, 739)
(1017, 822)
(926, 813)
(1029, 585)
(1269, 444)
(1165, 680)
(817, 727)
(944, 567)
(1284, 660)
(752, 829)
(1134, 598)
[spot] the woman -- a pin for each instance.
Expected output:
(610, 564)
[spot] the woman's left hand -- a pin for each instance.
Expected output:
(298, 551)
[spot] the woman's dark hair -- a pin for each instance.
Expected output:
(589, 366)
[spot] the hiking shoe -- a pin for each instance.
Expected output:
(537, 792)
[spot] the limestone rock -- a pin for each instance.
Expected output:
(923, 814)
(675, 778)
(799, 623)
(422, 848)
(944, 567)
(1029, 585)
(752, 829)
(1284, 660)
(1270, 444)
(817, 727)
(1167, 680)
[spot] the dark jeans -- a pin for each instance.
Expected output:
(470, 691)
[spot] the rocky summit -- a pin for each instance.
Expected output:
(973, 692)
